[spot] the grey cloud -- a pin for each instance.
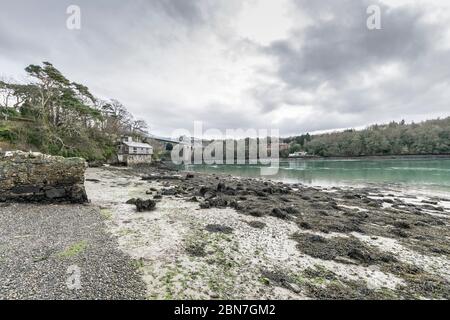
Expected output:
(334, 49)
(189, 11)
(337, 50)
(121, 52)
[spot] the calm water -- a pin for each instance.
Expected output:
(429, 174)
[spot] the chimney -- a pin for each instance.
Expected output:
(130, 139)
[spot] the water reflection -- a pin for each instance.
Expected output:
(433, 173)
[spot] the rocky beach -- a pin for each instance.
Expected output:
(155, 233)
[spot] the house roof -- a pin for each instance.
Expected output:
(137, 144)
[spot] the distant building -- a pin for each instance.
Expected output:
(283, 146)
(133, 153)
(298, 154)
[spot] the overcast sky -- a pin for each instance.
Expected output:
(296, 65)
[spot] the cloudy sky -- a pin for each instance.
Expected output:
(297, 65)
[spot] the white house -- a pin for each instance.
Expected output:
(298, 154)
(133, 153)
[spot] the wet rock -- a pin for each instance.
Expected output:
(430, 202)
(343, 211)
(218, 202)
(439, 250)
(260, 193)
(235, 205)
(190, 176)
(256, 224)
(131, 201)
(215, 228)
(256, 213)
(193, 199)
(169, 191)
(280, 279)
(436, 222)
(54, 193)
(95, 164)
(209, 195)
(230, 191)
(161, 177)
(269, 190)
(221, 187)
(196, 249)
(206, 192)
(305, 225)
(358, 254)
(400, 233)
(340, 248)
(351, 196)
(145, 205)
(356, 214)
(402, 225)
(291, 210)
(279, 213)
(421, 224)
(375, 203)
(322, 213)
(205, 205)
(77, 194)
(432, 208)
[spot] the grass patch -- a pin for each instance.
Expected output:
(125, 232)
(137, 263)
(106, 214)
(73, 250)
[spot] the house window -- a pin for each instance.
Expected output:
(134, 150)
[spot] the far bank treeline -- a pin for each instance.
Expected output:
(430, 137)
(54, 115)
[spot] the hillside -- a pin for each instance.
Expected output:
(54, 115)
(425, 138)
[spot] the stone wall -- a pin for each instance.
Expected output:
(35, 177)
(135, 159)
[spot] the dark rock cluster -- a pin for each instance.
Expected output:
(368, 210)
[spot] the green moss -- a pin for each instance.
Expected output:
(125, 232)
(7, 133)
(137, 263)
(106, 214)
(168, 283)
(73, 250)
(264, 281)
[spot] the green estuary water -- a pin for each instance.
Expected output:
(431, 174)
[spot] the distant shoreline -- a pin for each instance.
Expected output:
(390, 157)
